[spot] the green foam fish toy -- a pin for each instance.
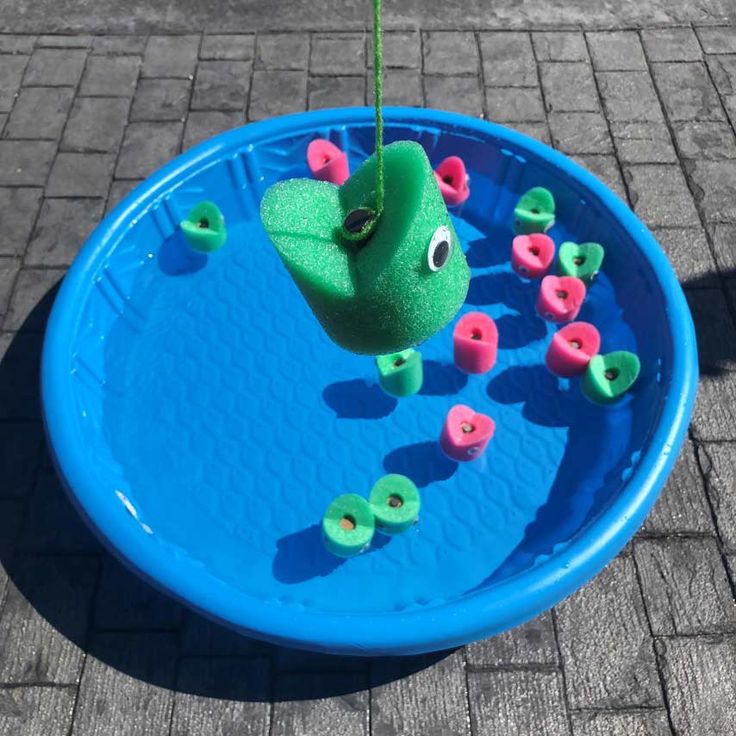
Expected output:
(376, 286)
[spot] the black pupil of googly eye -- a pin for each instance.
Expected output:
(440, 254)
(356, 220)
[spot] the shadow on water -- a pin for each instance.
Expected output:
(357, 399)
(423, 462)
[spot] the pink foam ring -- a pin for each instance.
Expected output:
(532, 255)
(453, 180)
(571, 349)
(466, 433)
(475, 343)
(327, 162)
(560, 298)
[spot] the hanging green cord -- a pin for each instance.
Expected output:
(378, 90)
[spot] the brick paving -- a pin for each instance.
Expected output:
(648, 648)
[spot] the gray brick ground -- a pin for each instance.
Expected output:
(689, 253)
(459, 94)
(401, 50)
(717, 40)
(119, 45)
(80, 175)
(514, 104)
(161, 100)
(203, 125)
(20, 355)
(508, 60)
(671, 44)
(171, 56)
(629, 97)
(660, 196)
(96, 124)
(20, 449)
(71, 41)
(25, 163)
(560, 46)
(450, 53)
(338, 54)
(401, 87)
(719, 465)
(55, 67)
(12, 44)
(203, 638)
(146, 147)
(714, 328)
(282, 51)
(232, 47)
(11, 74)
(31, 286)
(705, 140)
(118, 190)
(642, 723)
(108, 76)
(580, 132)
(714, 417)
(568, 87)
(715, 189)
(19, 207)
(39, 113)
(687, 92)
(724, 238)
(616, 51)
(277, 93)
(37, 711)
(606, 169)
(221, 85)
(9, 268)
(336, 92)
(538, 131)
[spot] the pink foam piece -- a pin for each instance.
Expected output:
(466, 433)
(571, 349)
(532, 255)
(560, 298)
(475, 343)
(453, 180)
(327, 162)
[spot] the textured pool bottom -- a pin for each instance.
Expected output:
(236, 421)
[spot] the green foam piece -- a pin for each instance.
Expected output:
(380, 295)
(608, 377)
(400, 374)
(534, 212)
(346, 511)
(583, 260)
(395, 502)
(204, 228)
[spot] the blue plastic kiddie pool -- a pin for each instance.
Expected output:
(202, 421)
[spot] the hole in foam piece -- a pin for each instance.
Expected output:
(576, 344)
(578, 260)
(203, 223)
(476, 334)
(467, 427)
(534, 211)
(534, 250)
(348, 523)
(561, 294)
(395, 502)
(447, 179)
(399, 362)
(611, 374)
(357, 220)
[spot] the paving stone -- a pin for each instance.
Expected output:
(231, 47)
(714, 416)
(110, 45)
(40, 113)
(9, 268)
(55, 67)
(688, 252)
(16, 44)
(450, 52)
(671, 44)
(717, 40)
(685, 587)
(203, 125)
(119, 189)
(724, 247)
(20, 450)
(161, 100)
(508, 60)
(338, 54)
(517, 704)
(128, 681)
(282, 51)
(605, 642)
(560, 46)
(568, 87)
(514, 104)
(19, 207)
(236, 700)
(31, 287)
(11, 74)
(80, 175)
(20, 357)
(458, 94)
(36, 711)
(714, 183)
(297, 712)
(221, 85)
(616, 51)
(714, 329)
(580, 132)
(723, 69)
(400, 706)
(124, 601)
(660, 196)
(52, 524)
(45, 613)
(108, 76)
(538, 131)
(146, 147)
(171, 56)
(699, 683)
(63, 41)
(96, 124)
(606, 169)
(718, 462)
(687, 92)
(706, 140)
(401, 50)
(629, 97)
(400, 87)
(643, 143)
(3, 120)
(201, 637)
(25, 163)
(530, 643)
(336, 92)
(277, 93)
(641, 723)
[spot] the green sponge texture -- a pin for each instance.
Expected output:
(380, 295)
(583, 260)
(534, 212)
(348, 525)
(204, 228)
(608, 377)
(400, 374)
(395, 503)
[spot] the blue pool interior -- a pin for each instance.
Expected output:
(222, 420)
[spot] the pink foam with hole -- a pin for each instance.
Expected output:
(453, 180)
(560, 298)
(532, 255)
(475, 343)
(571, 349)
(327, 162)
(464, 446)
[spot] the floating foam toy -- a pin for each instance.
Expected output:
(475, 343)
(466, 433)
(453, 180)
(377, 284)
(532, 255)
(327, 162)
(535, 212)
(560, 298)
(608, 377)
(348, 525)
(572, 348)
(400, 374)
(395, 503)
(204, 228)
(583, 260)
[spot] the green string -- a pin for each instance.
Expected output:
(378, 90)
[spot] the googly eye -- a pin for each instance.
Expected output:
(440, 248)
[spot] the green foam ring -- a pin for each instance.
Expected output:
(608, 377)
(583, 260)
(204, 228)
(391, 290)
(400, 374)
(534, 212)
(395, 502)
(348, 525)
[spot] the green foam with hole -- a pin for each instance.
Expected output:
(380, 295)
(348, 542)
(396, 517)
